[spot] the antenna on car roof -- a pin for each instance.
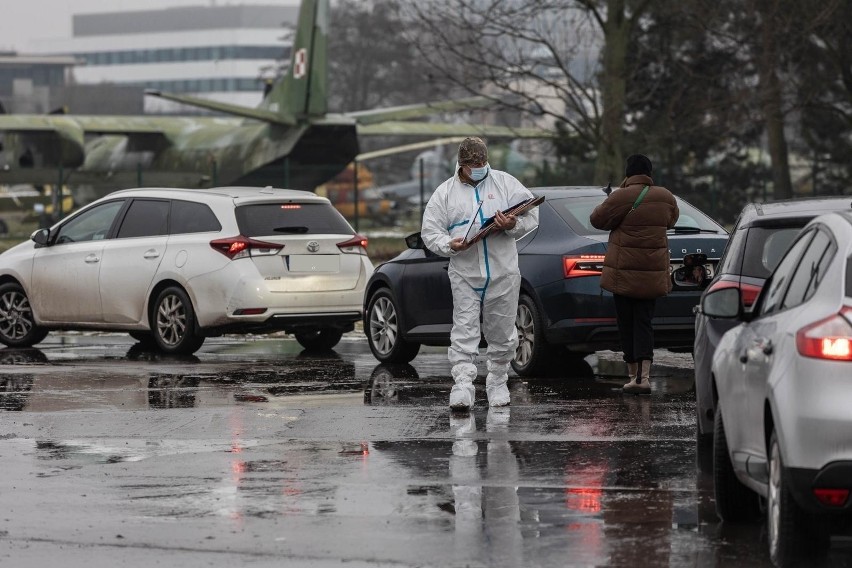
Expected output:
(608, 188)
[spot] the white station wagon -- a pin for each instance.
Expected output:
(173, 266)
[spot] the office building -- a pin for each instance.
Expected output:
(218, 52)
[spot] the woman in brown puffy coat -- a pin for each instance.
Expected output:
(636, 267)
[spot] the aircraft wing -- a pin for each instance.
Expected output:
(402, 128)
(22, 124)
(61, 139)
(226, 108)
(419, 110)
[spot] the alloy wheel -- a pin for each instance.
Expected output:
(526, 335)
(171, 320)
(16, 315)
(384, 326)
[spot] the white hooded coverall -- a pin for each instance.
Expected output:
(485, 276)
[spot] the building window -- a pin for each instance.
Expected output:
(210, 53)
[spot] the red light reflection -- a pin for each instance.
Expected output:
(583, 499)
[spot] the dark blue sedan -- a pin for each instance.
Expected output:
(562, 311)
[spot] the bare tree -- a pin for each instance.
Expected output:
(371, 64)
(563, 59)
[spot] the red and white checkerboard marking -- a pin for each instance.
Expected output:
(300, 63)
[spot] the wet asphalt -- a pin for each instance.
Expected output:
(255, 453)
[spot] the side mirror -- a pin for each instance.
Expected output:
(41, 237)
(722, 303)
(414, 241)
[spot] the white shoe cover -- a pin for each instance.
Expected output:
(462, 396)
(496, 389)
(463, 393)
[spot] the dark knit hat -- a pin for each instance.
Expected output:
(472, 151)
(638, 165)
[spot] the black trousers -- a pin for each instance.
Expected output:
(634, 327)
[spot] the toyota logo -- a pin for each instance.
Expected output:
(313, 246)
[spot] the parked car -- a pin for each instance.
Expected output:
(408, 301)
(782, 424)
(173, 266)
(761, 235)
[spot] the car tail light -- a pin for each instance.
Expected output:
(829, 338)
(244, 247)
(831, 497)
(583, 265)
(356, 245)
(748, 292)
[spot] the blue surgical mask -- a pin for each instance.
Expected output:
(478, 174)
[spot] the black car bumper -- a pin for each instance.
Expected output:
(836, 475)
(582, 316)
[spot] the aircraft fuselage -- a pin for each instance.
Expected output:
(188, 152)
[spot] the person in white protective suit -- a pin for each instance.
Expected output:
(484, 277)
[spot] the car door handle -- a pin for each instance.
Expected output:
(92, 258)
(151, 254)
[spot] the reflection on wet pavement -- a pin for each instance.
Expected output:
(164, 381)
(281, 454)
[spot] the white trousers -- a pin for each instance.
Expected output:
(499, 306)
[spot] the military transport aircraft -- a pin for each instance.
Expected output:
(289, 140)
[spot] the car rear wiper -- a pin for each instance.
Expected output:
(291, 229)
(688, 230)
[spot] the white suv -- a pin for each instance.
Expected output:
(174, 266)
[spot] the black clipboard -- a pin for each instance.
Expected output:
(489, 227)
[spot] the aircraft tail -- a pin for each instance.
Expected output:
(303, 91)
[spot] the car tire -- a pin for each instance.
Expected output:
(173, 323)
(384, 334)
(734, 501)
(17, 323)
(319, 340)
(793, 534)
(533, 356)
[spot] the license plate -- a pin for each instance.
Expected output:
(314, 263)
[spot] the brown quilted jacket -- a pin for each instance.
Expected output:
(637, 258)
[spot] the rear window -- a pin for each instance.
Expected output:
(764, 248)
(576, 211)
(267, 219)
(732, 258)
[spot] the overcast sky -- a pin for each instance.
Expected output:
(25, 20)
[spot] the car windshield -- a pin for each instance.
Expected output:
(576, 211)
(268, 219)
